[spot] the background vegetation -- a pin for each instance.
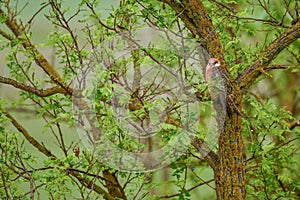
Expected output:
(45, 45)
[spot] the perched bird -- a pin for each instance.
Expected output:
(217, 86)
(211, 68)
(215, 78)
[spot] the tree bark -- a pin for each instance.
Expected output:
(230, 172)
(228, 163)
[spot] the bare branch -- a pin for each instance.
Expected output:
(64, 23)
(28, 137)
(286, 5)
(266, 21)
(95, 15)
(224, 5)
(265, 7)
(271, 67)
(6, 35)
(91, 185)
(190, 189)
(36, 13)
(27, 88)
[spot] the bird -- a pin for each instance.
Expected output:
(215, 79)
(213, 64)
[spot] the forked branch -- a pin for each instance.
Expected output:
(261, 64)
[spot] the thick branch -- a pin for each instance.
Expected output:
(271, 67)
(41, 61)
(27, 88)
(197, 20)
(28, 137)
(6, 35)
(91, 185)
(113, 185)
(294, 125)
(267, 55)
(205, 151)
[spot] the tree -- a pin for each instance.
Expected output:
(128, 99)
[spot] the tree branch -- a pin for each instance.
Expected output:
(266, 21)
(83, 180)
(28, 137)
(27, 88)
(294, 125)
(271, 67)
(190, 189)
(260, 65)
(197, 20)
(91, 185)
(205, 151)
(6, 35)
(40, 60)
(224, 5)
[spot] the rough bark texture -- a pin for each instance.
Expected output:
(228, 166)
(230, 173)
(228, 163)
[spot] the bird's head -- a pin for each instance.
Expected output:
(212, 63)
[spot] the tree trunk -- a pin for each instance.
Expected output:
(228, 163)
(229, 171)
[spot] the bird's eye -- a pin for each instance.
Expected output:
(215, 62)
